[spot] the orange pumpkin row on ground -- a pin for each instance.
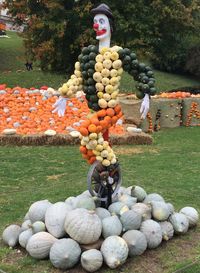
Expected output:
(31, 113)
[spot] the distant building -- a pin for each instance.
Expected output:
(7, 20)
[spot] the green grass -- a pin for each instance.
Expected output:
(13, 59)
(169, 167)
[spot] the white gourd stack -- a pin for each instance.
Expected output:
(78, 230)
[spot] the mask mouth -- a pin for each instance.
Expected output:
(101, 32)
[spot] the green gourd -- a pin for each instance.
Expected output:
(179, 222)
(192, 215)
(139, 193)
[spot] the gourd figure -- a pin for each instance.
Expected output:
(98, 73)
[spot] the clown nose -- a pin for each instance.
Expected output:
(95, 26)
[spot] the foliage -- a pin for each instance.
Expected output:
(56, 30)
(193, 61)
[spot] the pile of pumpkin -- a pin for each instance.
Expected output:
(79, 230)
(29, 111)
(177, 95)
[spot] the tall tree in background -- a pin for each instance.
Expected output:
(57, 29)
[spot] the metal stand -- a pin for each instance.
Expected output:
(104, 182)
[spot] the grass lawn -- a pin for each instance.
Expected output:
(169, 167)
(12, 60)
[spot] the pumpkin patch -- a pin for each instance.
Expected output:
(79, 230)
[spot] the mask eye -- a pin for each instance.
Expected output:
(101, 21)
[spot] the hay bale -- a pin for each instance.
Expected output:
(170, 112)
(151, 118)
(131, 109)
(191, 112)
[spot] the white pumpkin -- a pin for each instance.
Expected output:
(37, 210)
(55, 218)
(143, 209)
(171, 208)
(115, 251)
(130, 220)
(25, 236)
(38, 226)
(65, 253)
(139, 193)
(11, 234)
(127, 200)
(136, 241)
(102, 213)
(160, 210)
(26, 225)
(179, 222)
(153, 197)
(91, 260)
(153, 233)
(111, 226)
(39, 245)
(86, 203)
(192, 215)
(83, 225)
(117, 208)
(167, 230)
(71, 201)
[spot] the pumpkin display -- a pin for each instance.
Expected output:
(136, 241)
(83, 225)
(109, 235)
(65, 253)
(115, 251)
(91, 260)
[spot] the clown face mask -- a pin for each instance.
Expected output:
(102, 27)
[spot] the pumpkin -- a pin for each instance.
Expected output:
(39, 245)
(143, 209)
(153, 197)
(171, 208)
(25, 225)
(160, 210)
(25, 236)
(71, 201)
(153, 233)
(179, 222)
(83, 225)
(167, 230)
(127, 200)
(37, 210)
(130, 220)
(91, 260)
(38, 226)
(65, 253)
(102, 213)
(55, 218)
(117, 208)
(138, 192)
(136, 241)
(111, 226)
(86, 203)
(192, 215)
(115, 251)
(11, 234)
